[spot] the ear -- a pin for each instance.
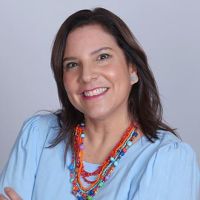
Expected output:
(133, 74)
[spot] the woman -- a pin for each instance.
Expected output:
(108, 141)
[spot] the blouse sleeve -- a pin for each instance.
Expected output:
(172, 173)
(20, 170)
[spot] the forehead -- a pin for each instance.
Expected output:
(89, 38)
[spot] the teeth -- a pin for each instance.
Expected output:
(95, 92)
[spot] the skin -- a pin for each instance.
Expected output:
(11, 195)
(92, 59)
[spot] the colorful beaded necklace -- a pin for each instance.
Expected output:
(104, 171)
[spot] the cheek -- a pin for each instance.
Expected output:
(70, 85)
(66, 81)
(69, 90)
(118, 72)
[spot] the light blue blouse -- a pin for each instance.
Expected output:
(164, 170)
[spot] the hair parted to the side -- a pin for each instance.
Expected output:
(143, 104)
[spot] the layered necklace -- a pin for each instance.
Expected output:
(104, 171)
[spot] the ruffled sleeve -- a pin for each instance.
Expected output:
(172, 173)
(20, 170)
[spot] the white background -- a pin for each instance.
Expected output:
(168, 30)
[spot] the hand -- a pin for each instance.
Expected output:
(11, 194)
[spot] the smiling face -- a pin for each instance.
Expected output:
(96, 75)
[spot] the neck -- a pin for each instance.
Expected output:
(102, 132)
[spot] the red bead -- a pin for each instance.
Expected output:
(124, 150)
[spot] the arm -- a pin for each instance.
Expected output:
(20, 170)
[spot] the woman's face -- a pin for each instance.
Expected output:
(96, 74)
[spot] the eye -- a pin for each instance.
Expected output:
(103, 56)
(70, 65)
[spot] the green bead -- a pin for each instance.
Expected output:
(89, 198)
(101, 184)
(71, 180)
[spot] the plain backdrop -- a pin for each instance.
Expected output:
(168, 30)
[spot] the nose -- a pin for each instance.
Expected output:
(88, 73)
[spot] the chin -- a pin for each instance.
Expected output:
(96, 116)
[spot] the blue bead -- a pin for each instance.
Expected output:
(122, 153)
(80, 198)
(135, 134)
(112, 159)
(91, 192)
(129, 143)
(71, 167)
(115, 163)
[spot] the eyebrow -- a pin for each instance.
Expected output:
(100, 49)
(92, 53)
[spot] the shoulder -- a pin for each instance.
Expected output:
(166, 152)
(42, 121)
(167, 144)
(168, 147)
(38, 128)
(171, 144)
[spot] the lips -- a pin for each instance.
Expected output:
(94, 92)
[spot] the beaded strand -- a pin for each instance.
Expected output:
(104, 171)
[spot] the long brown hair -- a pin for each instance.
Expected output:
(143, 104)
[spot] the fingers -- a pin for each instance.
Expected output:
(2, 197)
(11, 194)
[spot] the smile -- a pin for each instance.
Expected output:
(95, 92)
